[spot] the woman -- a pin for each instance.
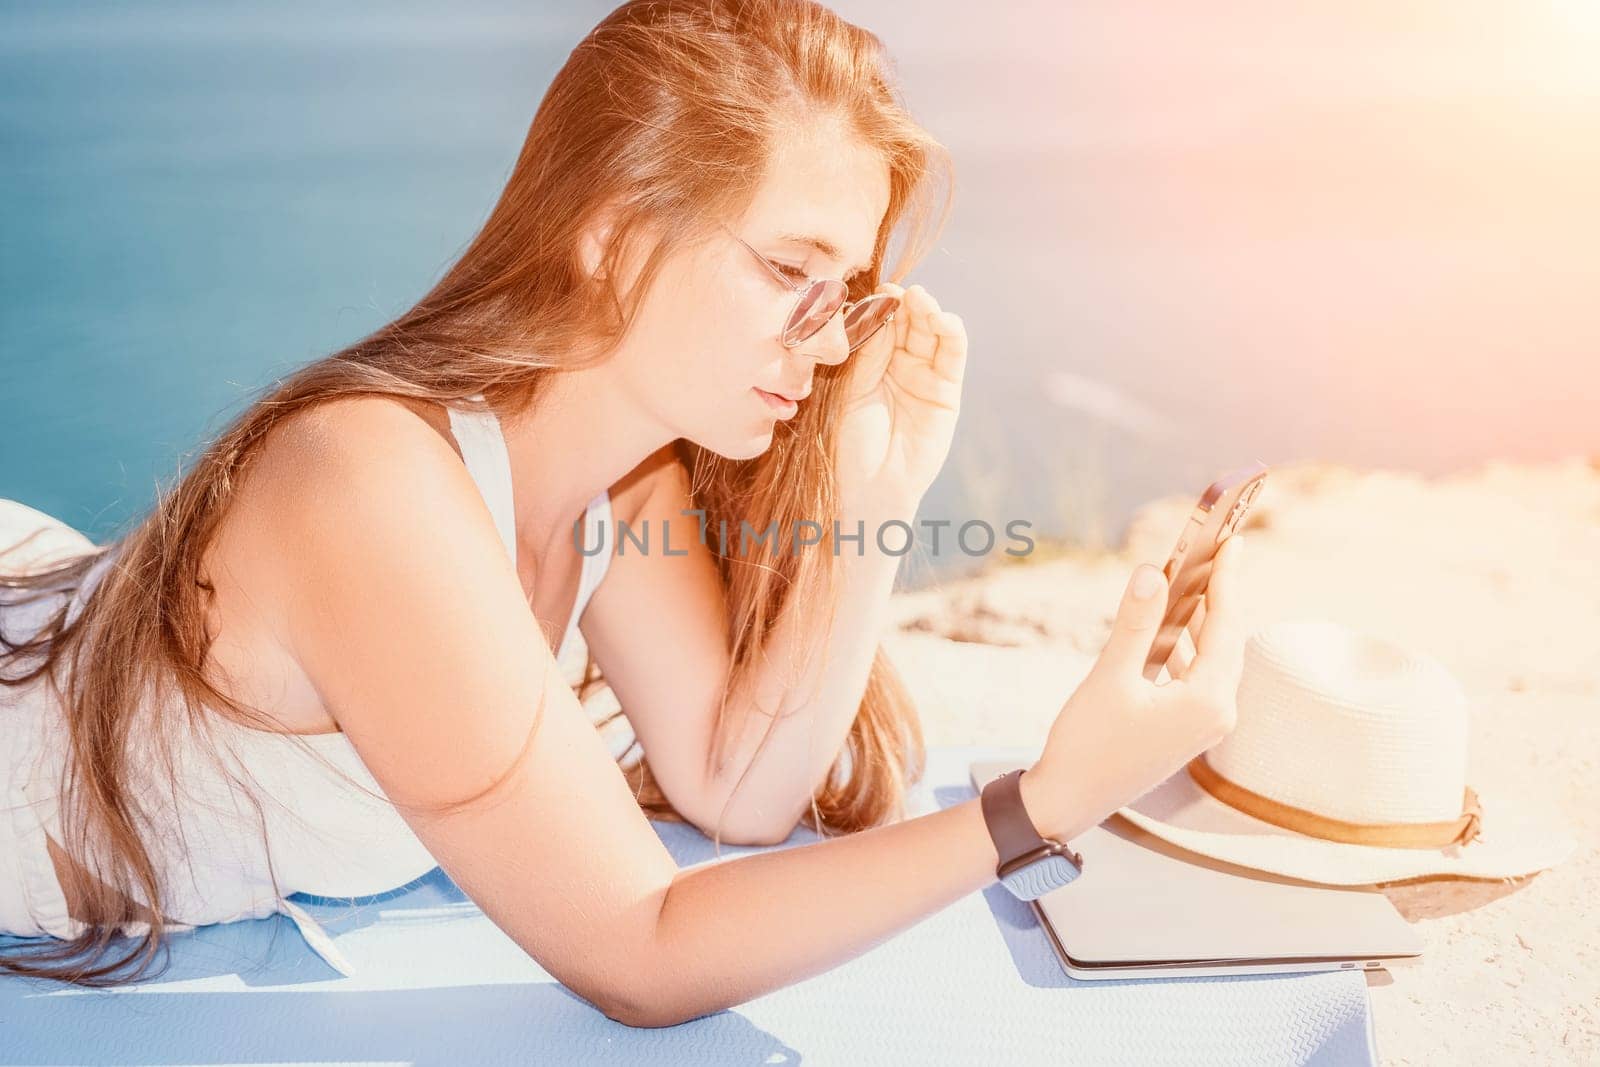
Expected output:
(327, 660)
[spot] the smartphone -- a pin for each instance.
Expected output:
(1221, 508)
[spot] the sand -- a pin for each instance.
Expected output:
(1496, 573)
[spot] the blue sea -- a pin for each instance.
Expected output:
(1173, 254)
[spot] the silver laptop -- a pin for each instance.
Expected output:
(1144, 908)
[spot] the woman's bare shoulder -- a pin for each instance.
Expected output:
(313, 469)
(356, 427)
(357, 438)
(329, 458)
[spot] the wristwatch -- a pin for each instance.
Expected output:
(1030, 865)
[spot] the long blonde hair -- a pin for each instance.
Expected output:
(666, 112)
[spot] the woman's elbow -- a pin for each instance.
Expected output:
(757, 836)
(638, 988)
(629, 1006)
(736, 830)
(649, 1009)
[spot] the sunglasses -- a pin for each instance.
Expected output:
(818, 300)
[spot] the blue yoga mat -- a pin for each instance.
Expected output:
(438, 984)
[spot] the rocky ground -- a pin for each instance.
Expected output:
(1496, 573)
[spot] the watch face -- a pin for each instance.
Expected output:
(1040, 877)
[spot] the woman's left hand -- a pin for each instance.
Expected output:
(902, 398)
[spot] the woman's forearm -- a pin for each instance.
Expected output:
(737, 929)
(814, 714)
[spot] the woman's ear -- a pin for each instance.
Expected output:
(593, 241)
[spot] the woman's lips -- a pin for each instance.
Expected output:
(785, 407)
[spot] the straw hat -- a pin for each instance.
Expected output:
(1347, 765)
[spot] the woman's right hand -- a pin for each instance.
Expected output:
(1120, 735)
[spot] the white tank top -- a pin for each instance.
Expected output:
(322, 837)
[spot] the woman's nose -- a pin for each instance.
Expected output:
(829, 344)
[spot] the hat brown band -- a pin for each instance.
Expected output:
(1428, 835)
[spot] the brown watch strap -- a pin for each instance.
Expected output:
(1009, 825)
